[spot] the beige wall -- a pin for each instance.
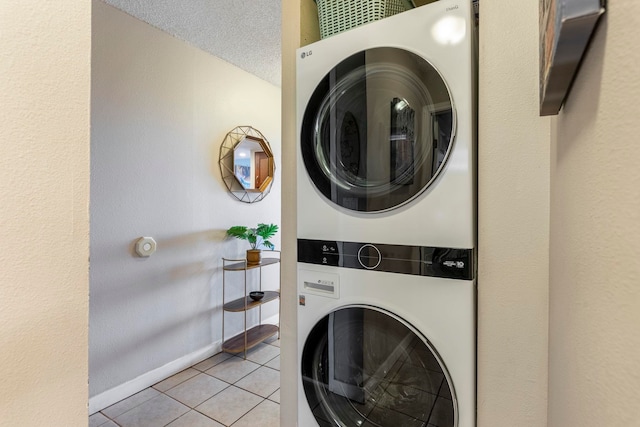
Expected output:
(299, 28)
(513, 218)
(594, 344)
(44, 214)
(291, 34)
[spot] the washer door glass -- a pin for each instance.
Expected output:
(365, 367)
(377, 130)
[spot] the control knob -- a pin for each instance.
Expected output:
(369, 256)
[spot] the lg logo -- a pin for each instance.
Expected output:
(305, 54)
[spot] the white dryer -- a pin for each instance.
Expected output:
(392, 347)
(386, 222)
(385, 116)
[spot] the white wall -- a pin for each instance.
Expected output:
(595, 227)
(44, 213)
(160, 111)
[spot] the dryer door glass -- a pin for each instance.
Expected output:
(365, 367)
(377, 130)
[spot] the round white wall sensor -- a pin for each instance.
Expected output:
(145, 246)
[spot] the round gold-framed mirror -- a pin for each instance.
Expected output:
(246, 164)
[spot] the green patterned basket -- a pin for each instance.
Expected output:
(336, 16)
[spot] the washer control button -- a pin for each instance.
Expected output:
(369, 256)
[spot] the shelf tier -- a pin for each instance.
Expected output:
(238, 304)
(255, 336)
(240, 266)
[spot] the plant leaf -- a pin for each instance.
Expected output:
(238, 231)
(266, 230)
(252, 235)
(268, 244)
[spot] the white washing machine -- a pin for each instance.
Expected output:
(386, 222)
(386, 119)
(386, 336)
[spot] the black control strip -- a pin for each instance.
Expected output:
(417, 260)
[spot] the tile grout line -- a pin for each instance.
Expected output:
(130, 409)
(248, 391)
(190, 408)
(234, 385)
(204, 372)
(241, 378)
(239, 418)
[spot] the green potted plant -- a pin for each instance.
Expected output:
(256, 237)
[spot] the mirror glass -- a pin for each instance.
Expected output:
(246, 164)
(252, 163)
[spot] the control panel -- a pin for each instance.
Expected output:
(417, 260)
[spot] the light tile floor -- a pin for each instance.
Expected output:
(223, 390)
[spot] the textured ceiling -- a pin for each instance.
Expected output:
(245, 33)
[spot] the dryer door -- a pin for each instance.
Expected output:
(377, 130)
(362, 366)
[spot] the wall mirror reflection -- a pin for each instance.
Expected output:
(246, 164)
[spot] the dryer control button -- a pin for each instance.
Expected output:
(369, 256)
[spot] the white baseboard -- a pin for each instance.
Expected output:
(116, 394)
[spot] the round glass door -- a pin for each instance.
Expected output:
(365, 367)
(377, 130)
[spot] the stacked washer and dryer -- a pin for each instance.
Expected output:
(387, 222)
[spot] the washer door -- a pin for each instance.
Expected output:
(377, 130)
(362, 366)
